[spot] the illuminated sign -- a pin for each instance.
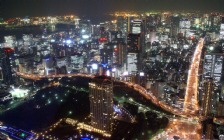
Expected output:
(94, 66)
(85, 138)
(141, 74)
(85, 36)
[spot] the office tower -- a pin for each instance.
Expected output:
(10, 41)
(175, 21)
(222, 29)
(122, 25)
(132, 59)
(106, 54)
(129, 20)
(209, 131)
(113, 55)
(208, 92)
(48, 63)
(85, 27)
(28, 39)
(184, 26)
(213, 68)
(220, 109)
(133, 52)
(120, 54)
(136, 26)
(115, 36)
(150, 23)
(101, 103)
(215, 19)
(6, 65)
(134, 43)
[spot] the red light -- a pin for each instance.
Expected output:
(102, 39)
(8, 50)
(115, 49)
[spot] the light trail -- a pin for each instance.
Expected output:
(191, 96)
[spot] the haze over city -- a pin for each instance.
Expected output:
(97, 10)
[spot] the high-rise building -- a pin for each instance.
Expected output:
(213, 68)
(184, 26)
(122, 25)
(134, 50)
(208, 92)
(175, 21)
(222, 29)
(136, 26)
(101, 103)
(129, 20)
(132, 59)
(209, 131)
(85, 27)
(6, 65)
(149, 22)
(106, 54)
(115, 36)
(134, 43)
(120, 54)
(220, 109)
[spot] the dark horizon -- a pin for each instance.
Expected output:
(99, 8)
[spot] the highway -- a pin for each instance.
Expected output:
(140, 89)
(38, 77)
(188, 127)
(182, 129)
(191, 97)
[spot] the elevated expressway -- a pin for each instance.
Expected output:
(191, 97)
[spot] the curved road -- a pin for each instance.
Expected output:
(140, 89)
(190, 128)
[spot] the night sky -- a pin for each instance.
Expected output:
(97, 8)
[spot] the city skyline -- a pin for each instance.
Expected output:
(143, 75)
(97, 10)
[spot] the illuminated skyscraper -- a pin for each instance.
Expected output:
(101, 103)
(175, 21)
(134, 43)
(213, 68)
(222, 29)
(113, 54)
(136, 26)
(220, 109)
(122, 25)
(6, 63)
(208, 92)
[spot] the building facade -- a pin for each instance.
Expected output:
(101, 104)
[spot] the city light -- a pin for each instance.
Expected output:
(68, 41)
(85, 36)
(167, 63)
(142, 74)
(94, 66)
(19, 93)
